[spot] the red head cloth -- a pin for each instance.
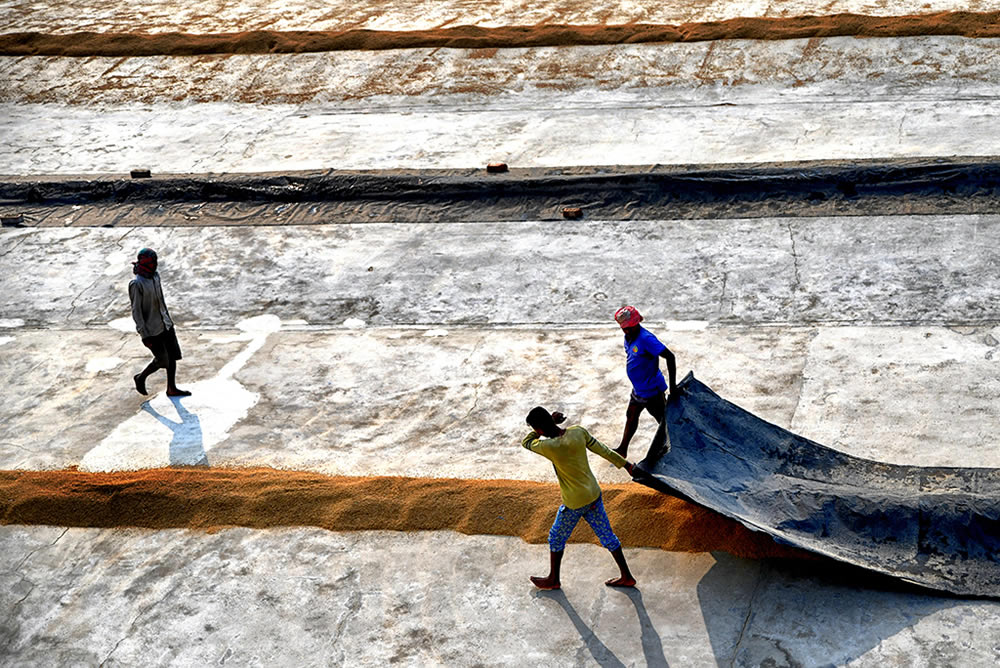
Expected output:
(146, 265)
(628, 316)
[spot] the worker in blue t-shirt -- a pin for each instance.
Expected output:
(643, 352)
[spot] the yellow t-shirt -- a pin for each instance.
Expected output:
(568, 454)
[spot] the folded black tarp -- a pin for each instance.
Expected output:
(934, 526)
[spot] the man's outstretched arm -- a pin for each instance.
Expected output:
(607, 453)
(671, 370)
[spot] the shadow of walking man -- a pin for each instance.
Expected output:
(187, 446)
(602, 655)
(652, 646)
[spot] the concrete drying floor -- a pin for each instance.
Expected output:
(874, 335)
(300, 357)
(415, 349)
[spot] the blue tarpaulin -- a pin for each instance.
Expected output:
(934, 526)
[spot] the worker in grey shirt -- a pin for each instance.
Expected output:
(152, 321)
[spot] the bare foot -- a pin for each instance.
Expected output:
(622, 451)
(176, 392)
(140, 384)
(621, 582)
(544, 583)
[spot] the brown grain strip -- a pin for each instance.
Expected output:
(210, 499)
(965, 24)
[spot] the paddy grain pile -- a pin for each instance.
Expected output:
(260, 498)
(134, 44)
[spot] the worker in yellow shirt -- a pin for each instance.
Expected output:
(581, 495)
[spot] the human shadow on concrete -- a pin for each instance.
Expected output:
(652, 646)
(187, 447)
(602, 655)
(788, 612)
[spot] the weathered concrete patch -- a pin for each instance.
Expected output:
(802, 617)
(740, 101)
(695, 74)
(899, 270)
(891, 394)
(153, 438)
(397, 402)
(223, 137)
(61, 410)
(369, 402)
(239, 596)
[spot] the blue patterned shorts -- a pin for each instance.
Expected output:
(597, 518)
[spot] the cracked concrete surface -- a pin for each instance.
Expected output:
(55, 139)
(319, 598)
(761, 571)
(696, 74)
(920, 393)
(852, 270)
(899, 394)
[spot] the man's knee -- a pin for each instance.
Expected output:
(611, 543)
(606, 534)
(657, 407)
(557, 539)
(561, 529)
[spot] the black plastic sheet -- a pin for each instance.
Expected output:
(938, 527)
(614, 186)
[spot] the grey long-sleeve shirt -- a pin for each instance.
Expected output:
(149, 310)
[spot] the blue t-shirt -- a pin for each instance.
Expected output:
(643, 365)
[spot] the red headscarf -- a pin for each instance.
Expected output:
(628, 316)
(146, 265)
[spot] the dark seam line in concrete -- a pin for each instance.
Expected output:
(30, 554)
(17, 604)
(120, 239)
(746, 620)
(84, 44)
(135, 621)
(800, 379)
(796, 274)
(82, 292)
(7, 629)
(14, 245)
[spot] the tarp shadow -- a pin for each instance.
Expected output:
(808, 613)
